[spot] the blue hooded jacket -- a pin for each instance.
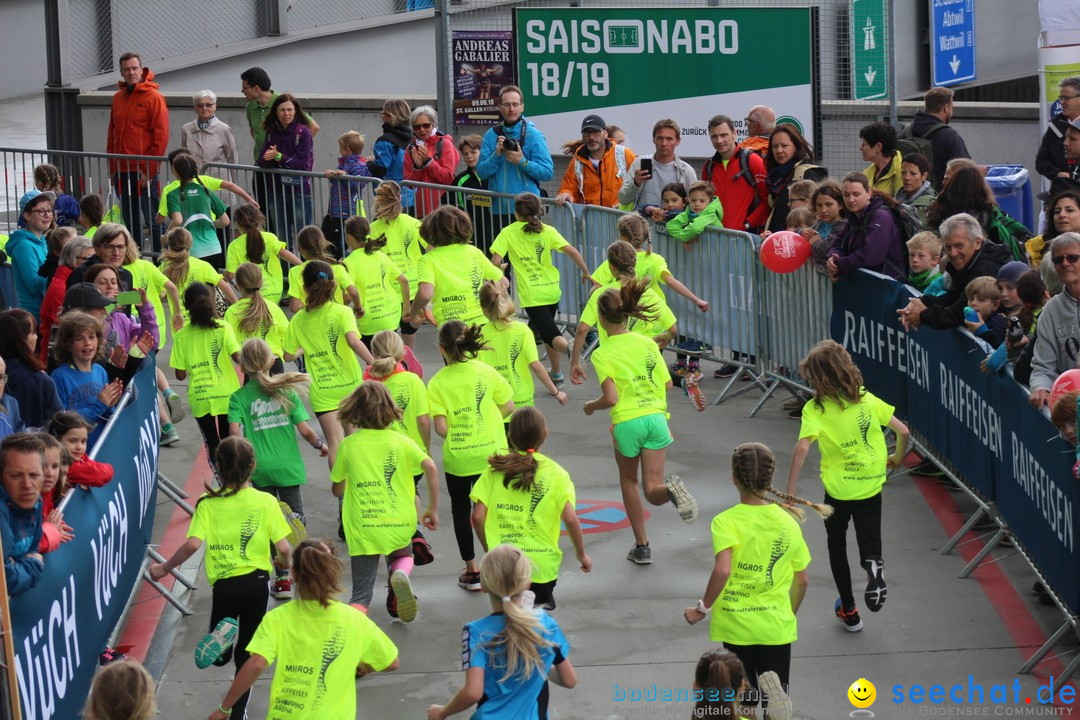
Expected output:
(27, 252)
(20, 534)
(503, 177)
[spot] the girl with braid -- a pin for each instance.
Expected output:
(759, 576)
(847, 421)
(253, 316)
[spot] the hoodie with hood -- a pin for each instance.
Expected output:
(27, 252)
(138, 125)
(946, 311)
(945, 142)
(1056, 341)
(20, 534)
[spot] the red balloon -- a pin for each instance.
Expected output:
(1068, 381)
(785, 251)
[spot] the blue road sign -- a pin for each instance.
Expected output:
(952, 41)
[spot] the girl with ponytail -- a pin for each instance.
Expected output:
(511, 654)
(522, 497)
(254, 245)
(404, 242)
(199, 210)
(183, 270)
(759, 575)
(383, 288)
(634, 382)
(528, 244)
(720, 687)
(254, 317)
(313, 247)
(320, 645)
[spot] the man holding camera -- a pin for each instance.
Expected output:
(648, 175)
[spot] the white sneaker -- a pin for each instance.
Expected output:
(779, 703)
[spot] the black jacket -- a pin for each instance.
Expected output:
(34, 391)
(946, 311)
(946, 143)
(1050, 160)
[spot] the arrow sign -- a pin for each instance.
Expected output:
(869, 45)
(954, 64)
(952, 42)
(870, 74)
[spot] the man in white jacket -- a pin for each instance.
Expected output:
(642, 188)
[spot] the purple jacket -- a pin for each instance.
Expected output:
(343, 192)
(294, 144)
(870, 240)
(122, 329)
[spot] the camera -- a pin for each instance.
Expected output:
(510, 144)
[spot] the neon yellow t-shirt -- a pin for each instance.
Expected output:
(208, 181)
(238, 530)
(528, 520)
(404, 245)
(376, 279)
(273, 332)
(512, 350)
(296, 282)
(317, 650)
(379, 512)
(767, 549)
(469, 394)
(530, 254)
(665, 319)
(331, 362)
(853, 452)
(636, 366)
(198, 271)
(456, 271)
(206, 356)
(651, 266)
(236, 255)
(146, 276)
(411, 397)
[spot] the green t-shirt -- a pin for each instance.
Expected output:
(379, 511)
(404, 245)
(651, 266)
(853, 452)
(532, 521)
(318, 650)
(469, 394)
(236, 255)
(341, 277)
(512, 349)
(211, 183)
(767, 549)
(664, 321)
(530, 254)
(636, 366)
(198, 207)
(206, 356)
(411, 397)
(376, 279)
(456, 271)
(238, 530)
(198, 271)
(270, 428)
(273, 332)
(331, 362)
(146, 276)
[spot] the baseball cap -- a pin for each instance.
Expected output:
(593, 122)
(1074, 124)
(85, 295)
(1011, 271)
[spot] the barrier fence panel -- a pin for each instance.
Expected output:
(63, 624)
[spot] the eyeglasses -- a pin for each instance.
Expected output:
(205, 105)
(43, 212)
(1073, 259)
(510, 105)
(3, 378)
(1065, 98)
(115, 247)
(422, 126)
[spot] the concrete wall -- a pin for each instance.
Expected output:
(22, 36)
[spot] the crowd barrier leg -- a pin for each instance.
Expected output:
(179, 576)
(755, 383)
(165, 593)
(971, 522)
(171, 491)
(997, 537)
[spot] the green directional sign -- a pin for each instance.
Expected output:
(869, 49)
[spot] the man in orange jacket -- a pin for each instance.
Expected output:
(138, 125)
(598, 168)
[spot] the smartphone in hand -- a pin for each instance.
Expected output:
(646, 165)
(130, 297)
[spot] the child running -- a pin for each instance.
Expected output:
(121, 690)
(633, 382)
(255, 245)
(326, 333)
(73, 432)
(468, 403)
(759, 576)
(509, 655)
(374, 475)
(404, 241)
(81, 382)
(206, 348)
(238, 524)
(183, 270)
(522, 498)
(253, 316)
(321, 646)
(511, 347)
(313, 247)
(846, 420)
(383, 289)
(528, 244)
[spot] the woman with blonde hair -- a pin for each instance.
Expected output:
(183, 270)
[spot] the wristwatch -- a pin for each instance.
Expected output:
(701, 607)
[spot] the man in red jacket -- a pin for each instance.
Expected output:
(138, 125)
(738, 176)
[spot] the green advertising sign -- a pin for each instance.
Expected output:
(869, 47)
(636, 65)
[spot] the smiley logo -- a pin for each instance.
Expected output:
(862, 693)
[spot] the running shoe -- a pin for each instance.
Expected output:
(216, 643)
(694, 392)
(175, 405)
(848, 618)
(469, 580)
(169, 437)
(875, 584)
(640, 554)
(282, 589)
(796, 402)
(421, 550)
(549, 605)
(779, 704)
(795, 413)
(404, 600)
(690, 346)
(557, 380)
(679, 368)
(681, 498)
(110, 655)
(725, 371)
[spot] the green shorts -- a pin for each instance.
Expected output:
(648, 432)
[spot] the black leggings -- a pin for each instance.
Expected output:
(214, 429)
(867, 516)
(244, 599)
(542, 322)
(459, 487)
(544, 592)
(757, 659)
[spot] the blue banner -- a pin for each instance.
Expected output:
(980, 424)
(62, 625)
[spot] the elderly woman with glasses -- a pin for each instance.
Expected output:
(1058, 338)
(110, 247)
(208, 139)
(27, 249)
(431, 158)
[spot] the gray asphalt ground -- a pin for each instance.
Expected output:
(625, 622)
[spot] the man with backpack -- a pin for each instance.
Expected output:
(648, 175)
(738, 176)
(929, 133)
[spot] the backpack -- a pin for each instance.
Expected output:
(907, 220)
(1006, 230)
(744, 173)
(909, 143)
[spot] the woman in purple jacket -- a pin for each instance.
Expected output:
(287, 147)
(871, 238)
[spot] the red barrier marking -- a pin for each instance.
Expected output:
(597, 516)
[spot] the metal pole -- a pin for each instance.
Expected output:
(63, 123)
(444, 98)
(892, 62)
